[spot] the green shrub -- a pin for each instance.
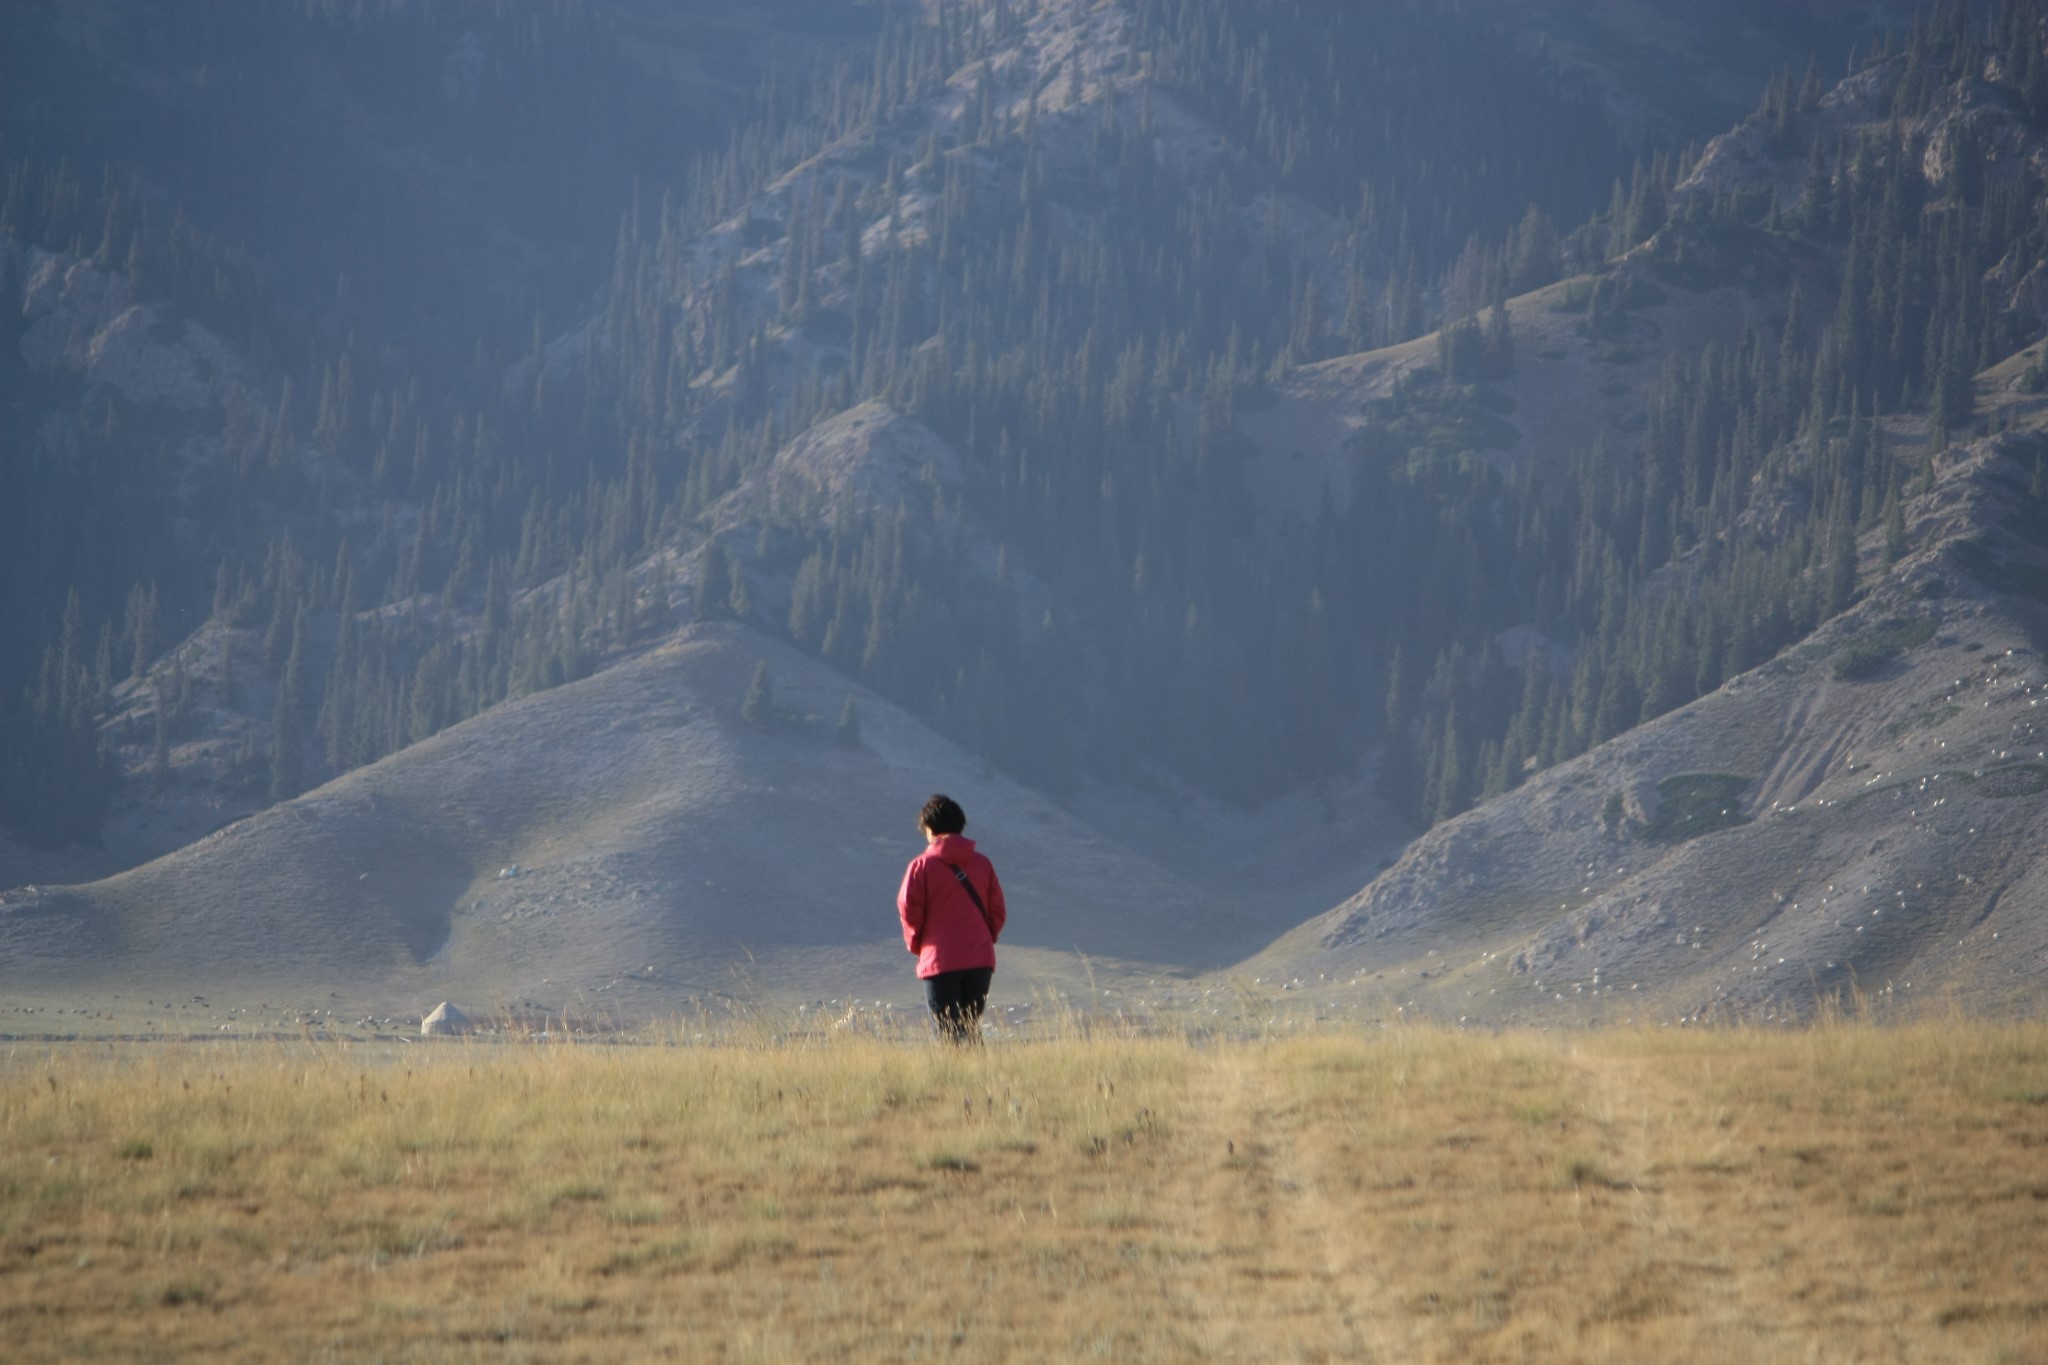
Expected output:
(1867, 655)
(1863, 660)
(1692, 804)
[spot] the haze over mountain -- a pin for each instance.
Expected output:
(1452, 466)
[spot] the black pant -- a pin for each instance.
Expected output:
(957, 999)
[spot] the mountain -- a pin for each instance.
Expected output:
(1249, 437)
(548, 853)
(621, 844)
(1861, 815)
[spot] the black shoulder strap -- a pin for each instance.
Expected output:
(960, 876)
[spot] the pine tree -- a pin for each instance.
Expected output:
(1894, 529)
(1453, 785)
(738, 602)
(1536, 258)
(1500, 343)
(142, 628)
(758, 709)
(160, 748)
(286, 767)
(714, 582)
(1811, 90)
(103, 661)
(1841, 577)
(230, 687)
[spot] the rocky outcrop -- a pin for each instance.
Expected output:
(867, 459)
(85, 318)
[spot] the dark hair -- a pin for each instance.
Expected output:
(942, 815)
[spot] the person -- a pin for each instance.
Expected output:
(951, 906)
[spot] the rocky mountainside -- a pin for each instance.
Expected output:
(1862, 815)
(1858, 819)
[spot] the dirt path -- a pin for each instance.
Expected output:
(1615, 1215)
(1271, 1211)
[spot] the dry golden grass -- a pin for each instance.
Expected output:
(1848, 1193)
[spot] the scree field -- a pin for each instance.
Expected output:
(1849, 1192)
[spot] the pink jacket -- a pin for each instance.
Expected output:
(940, 923)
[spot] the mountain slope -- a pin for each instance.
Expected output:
(1864, 810)
(665, 850)
(1864, 813)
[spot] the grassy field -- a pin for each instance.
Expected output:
(1843, 1193)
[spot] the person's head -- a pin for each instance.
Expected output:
(942, 815)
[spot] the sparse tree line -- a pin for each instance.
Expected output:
(398, 539)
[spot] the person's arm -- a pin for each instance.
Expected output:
(910, 906)
(997, 914)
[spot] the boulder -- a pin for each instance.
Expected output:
(445, 1022)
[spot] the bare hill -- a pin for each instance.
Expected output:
(664, 849)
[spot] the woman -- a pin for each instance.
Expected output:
(951, 906)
